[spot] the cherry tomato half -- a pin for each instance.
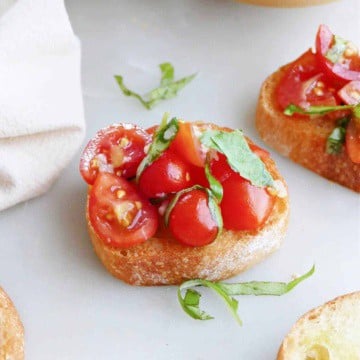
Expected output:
(347, 66)
(244, 206)
(116, 149)
(167, 174)
(352, 140)
(304, 84)
(190, 220)
(187, 145)
(119, 214)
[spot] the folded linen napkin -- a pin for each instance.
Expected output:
(41, 110)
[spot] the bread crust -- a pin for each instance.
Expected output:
(161, 260)
(287, 3)
(11, 330)
(302, 138)
(325, 313)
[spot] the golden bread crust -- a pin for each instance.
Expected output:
(302, 139)
(11, 330)
(161, 260)
(322, 329)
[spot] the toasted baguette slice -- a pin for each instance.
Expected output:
(329, 332)
(287, 3)
(11, 330)
(163, 261)
(302, 139)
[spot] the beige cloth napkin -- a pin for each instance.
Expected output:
(41, 110)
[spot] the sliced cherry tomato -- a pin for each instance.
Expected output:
(151, 130)
(352, 140)
(116, 149)
(304, 84)
(350, 93)
(167, 174)
(347, 64)
(244, 206)
(119, 214)
(191, 222)
(187, 145)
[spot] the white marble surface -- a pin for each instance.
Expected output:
(71, 308)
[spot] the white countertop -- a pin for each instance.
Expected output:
(71, 308)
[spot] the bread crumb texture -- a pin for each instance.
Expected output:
(328, 332)
(11, 330)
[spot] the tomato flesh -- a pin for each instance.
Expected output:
(116, 149)
(119, 214)
(190, 221)
(244, 206)
(350, 93)
(352, 140)
(167, 174)
(347, 67)
(187, 145)
(304, 84)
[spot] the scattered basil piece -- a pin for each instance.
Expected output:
(336, 140)
(190, 302)
(215, 185)
(337, 50)
(162, 139)
(314, 110)
(212, 203)
(167, 89)
(239, 156)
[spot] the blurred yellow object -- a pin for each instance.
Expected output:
(286, 3)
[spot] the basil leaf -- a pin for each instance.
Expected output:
(335, 53)
(167, 89)
(314, 110)
(226, 291)
(194, 310)
(215, 186)
(239, 156)
(336, 139)
(212, 203)
(162, 139)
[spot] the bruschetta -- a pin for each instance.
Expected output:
(330, 331)
(309, 110)
(180, 201)
(11, 330)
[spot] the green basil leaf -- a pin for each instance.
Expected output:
(239, 156)
(226, 291)
(314, 110)
(336, 140)
(335, 53)
(215, 185)
(167, 89)
(212, 203)
(167, 73)
(162, 139)
(194, 310)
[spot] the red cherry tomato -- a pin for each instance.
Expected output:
(304, 84)
(352, 140)
(119, 214)
(187, 145)
(244, 206)
(191, 222)
(116, 149)
(167, 174)
(350, 93)
(347, 67)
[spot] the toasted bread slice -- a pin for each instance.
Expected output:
(302, 139)
(331, 331)
(161, 260)
(11, 330)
